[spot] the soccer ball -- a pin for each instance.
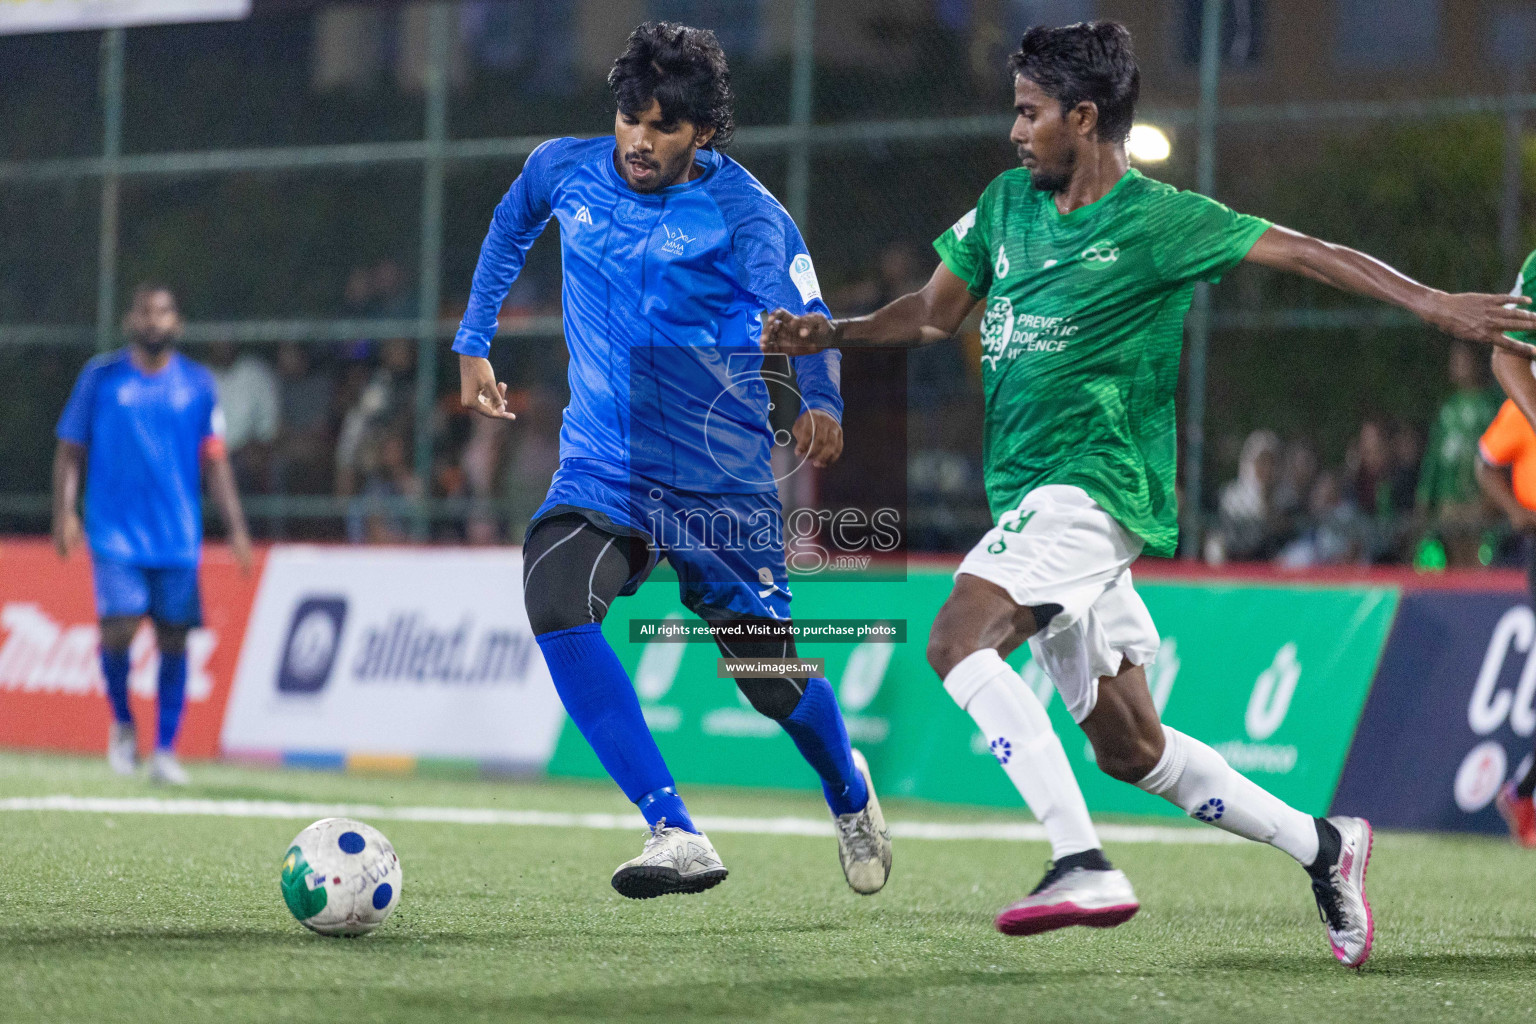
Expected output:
(341, 877)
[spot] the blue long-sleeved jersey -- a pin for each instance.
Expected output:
(662, 297)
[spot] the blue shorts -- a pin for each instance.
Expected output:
(168, 595)
(727, 549)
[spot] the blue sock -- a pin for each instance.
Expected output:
(114, 667)
(816, 726)
(665, 805)
(600, 699)
(172, 697)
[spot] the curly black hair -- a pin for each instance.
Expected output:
(682, 68)
(1089, 61)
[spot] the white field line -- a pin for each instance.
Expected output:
(1006, 832)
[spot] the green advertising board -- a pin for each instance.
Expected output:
(1275, 677)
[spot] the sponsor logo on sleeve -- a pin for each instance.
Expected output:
(803, 273)
(964, 224)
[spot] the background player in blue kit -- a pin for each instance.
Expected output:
(671, 252)
(142, 420)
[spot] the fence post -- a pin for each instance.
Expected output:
(111, 148)
(797, 188)
(1200, 312)
(1510, 249)
(429, 293)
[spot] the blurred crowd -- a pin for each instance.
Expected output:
(329, 420)
(1401, 495)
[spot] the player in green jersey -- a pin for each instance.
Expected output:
(1516, 800)
(1087, 269)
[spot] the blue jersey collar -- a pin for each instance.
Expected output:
(707, 159)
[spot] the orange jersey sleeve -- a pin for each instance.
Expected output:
(1505, 437)
(1510, 441)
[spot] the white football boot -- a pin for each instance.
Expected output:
(673, 861)
(1340, 893)
(123, 748)
(166, 770)
(863, 841)
(1069, 896)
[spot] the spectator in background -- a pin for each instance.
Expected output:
(380, 290)
(481, 463)
(357, 293)
(1397, 529)
(1368, 472)
(391, 290)
(1293, 493)
(383, 404)
(533, 455)
(376, 518)
(1448, 500)
(1368, 469)
(302, 456)
(248, 394)
(1337, 533)
(1250, 526)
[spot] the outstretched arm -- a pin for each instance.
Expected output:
(1470, 316)
(923, 317)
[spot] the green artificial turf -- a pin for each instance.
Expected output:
(126, 917)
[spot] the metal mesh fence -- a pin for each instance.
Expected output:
(316, 183)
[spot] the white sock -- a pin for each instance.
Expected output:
(1014, 721)
(1198, 779)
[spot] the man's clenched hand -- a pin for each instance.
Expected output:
(479, 390)
(818, 437)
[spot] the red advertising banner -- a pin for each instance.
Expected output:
(51, 690)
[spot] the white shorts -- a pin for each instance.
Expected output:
(1059, 547)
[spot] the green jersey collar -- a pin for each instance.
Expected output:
(1083, 211)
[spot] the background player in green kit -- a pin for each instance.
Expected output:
(1087, 269)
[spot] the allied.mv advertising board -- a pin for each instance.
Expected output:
(409, 653)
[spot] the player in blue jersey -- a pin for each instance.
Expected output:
(671, 252)
(142, 422)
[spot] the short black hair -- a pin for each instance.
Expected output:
(144, 288)
(1090, 61)
(684, 70)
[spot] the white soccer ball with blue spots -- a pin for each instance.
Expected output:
(341, 877)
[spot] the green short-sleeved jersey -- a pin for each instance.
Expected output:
(1525, 284)
(1081, 336)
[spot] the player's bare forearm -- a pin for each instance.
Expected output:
(907, 322)
(68, 458)
(1470, 316)
(221, 485)
(1494, 483)
(929, 315)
